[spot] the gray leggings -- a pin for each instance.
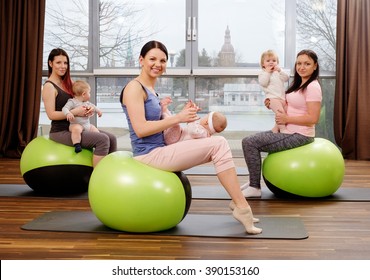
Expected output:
(268, 142)
(103, 142)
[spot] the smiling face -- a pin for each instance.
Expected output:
(305, 66)
(154, 63)
(59, 65)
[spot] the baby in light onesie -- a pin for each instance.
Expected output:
(202, 128)
(272, 80)
(81, 91)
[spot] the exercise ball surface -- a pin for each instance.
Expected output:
(127, 195)
(313, 170)
(52, 168)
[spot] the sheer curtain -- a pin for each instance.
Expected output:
(352, 97)
(21, 41)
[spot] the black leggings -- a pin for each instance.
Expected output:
(268, 142)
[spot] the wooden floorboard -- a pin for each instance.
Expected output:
(337, 230)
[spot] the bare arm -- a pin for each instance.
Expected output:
(134, 98)
(49, 94)
(310, 118)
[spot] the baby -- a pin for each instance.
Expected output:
(81, 92)
(204, 127)
(272, 80)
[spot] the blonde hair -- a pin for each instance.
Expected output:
(79, 87)
(267, 54)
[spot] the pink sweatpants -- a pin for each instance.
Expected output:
(275, 105)
(186, 154)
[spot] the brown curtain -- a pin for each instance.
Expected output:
(352, 97)
(21, 48)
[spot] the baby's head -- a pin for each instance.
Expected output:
(214, 122)
(81, 88)
(267, 56)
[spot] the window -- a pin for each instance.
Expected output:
(67, 27)
(214, 51)
(234, 33)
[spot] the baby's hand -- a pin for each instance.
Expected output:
(100, 114)
(166, 101)
(70, 117)
(191, 104)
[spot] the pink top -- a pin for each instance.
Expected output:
(297, 106)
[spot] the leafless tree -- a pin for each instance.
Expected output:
(316, 29)
(121, 30)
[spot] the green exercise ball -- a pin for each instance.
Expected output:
(52, 168)
(313, 170)
(127, 195)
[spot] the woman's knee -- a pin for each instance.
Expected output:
(112, 140)
(102, 144)
(246, 142)
(221, 142)
(112, 143)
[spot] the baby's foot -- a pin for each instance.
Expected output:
(78, 148)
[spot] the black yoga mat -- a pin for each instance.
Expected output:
(210, 171)
(348, 194)
(342, 194)
(18, 190)
(199, 225)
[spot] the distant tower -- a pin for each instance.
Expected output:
(129, 61)
(227, 54)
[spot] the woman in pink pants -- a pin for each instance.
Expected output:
(142, 107)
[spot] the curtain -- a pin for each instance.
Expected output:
(352, 97)
(21, 49)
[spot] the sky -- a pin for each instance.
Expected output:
(255, 26)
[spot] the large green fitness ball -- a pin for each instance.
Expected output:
(52, 168)
(313, 170)
(130, 196)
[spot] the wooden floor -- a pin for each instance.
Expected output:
(337, 230)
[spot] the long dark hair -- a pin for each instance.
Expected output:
(153, 45)
(66, 79)
(297, 80)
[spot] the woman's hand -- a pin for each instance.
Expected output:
(189, 114)
(267, 103)
(89, 111)
(281, 117)
(83, 111)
